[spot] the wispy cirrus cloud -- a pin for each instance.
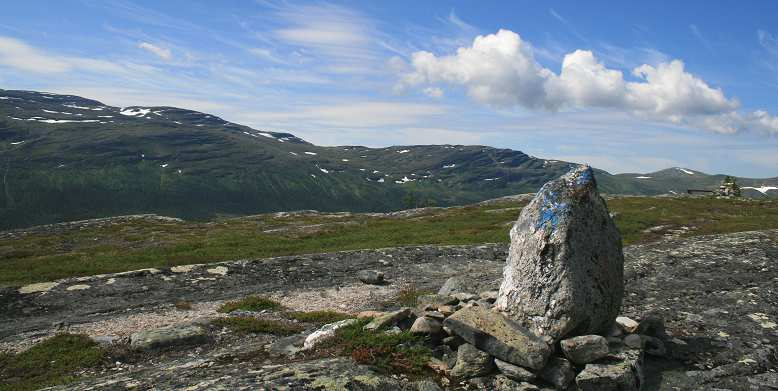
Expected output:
(159, 51)
(700, 37)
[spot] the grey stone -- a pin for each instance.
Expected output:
(434, 315)
(626, 324)
(427, 385)
(565, 270)
(464, 296)
(503, 383)
(490, 296)
(373, 277)
(472, 362)
(514, 372)
(653, 346)
(585, 348)
(426, 326)
(177, 335)
(455, 284)
(288, 346)
(623, 375)
(633, 341)
(435, 301)
(559, 373)
(326, 332)
(499, 336)
(388, 319)
(105, 340)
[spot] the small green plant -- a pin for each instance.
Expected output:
(251, 303)
(318, 317)
(390, 353)
(247, 325)
(50, 362)
(408, 296)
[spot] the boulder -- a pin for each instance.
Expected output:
(288, 346)
(559, 373)
(514, 372)
(623, 374)
(435, 301)
(472, 362)
(626, 324)
(325, 332)
(456, 284)
(373, 277)
(565, 270)
(388, 319)
(178, 335)
(499, 336)
(427, 385)
(503, 383)
(585, 348)
(426, 326)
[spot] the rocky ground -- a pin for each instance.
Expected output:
(717, 296)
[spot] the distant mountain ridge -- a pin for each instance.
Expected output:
(64, 157)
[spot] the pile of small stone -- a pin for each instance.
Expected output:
(477, 347)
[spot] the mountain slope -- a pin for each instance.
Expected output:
(64, 157)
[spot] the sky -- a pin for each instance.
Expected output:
(623, 86)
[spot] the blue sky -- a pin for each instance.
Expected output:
(627, 87)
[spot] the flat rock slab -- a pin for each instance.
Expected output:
(40, 306)
(499, 336)
(169, 336)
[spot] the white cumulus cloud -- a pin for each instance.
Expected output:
(163, 53)
(500, 70)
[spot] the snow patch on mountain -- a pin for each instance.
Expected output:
(135, 112)
(685, 171)
(761, 189)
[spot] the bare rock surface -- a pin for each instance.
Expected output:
(717, 295)
(564, 273)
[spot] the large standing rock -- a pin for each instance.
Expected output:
(565, 268)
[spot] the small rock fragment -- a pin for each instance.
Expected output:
(454, 285)
(625, 375)
(372, 277)
(388, 319)
(168, 336)
(369, 314)
(472, 362)
(627, 324)
(503, 383)
(633, 341)
(427, 385)
(585, 348)
(325, 332)
(558, 372)
(514, 372)
(426, 326)
(490, 296)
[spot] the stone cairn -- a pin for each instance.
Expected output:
(554, 322)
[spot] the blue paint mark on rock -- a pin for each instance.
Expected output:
(585, 177)
(551, 210)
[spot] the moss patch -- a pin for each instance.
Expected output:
(317, 317)
(389, 353)
(253, 325)
(250, 303)
(50, 362)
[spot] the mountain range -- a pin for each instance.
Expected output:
(64, 157)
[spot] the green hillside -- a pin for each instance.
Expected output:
(66, 158)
